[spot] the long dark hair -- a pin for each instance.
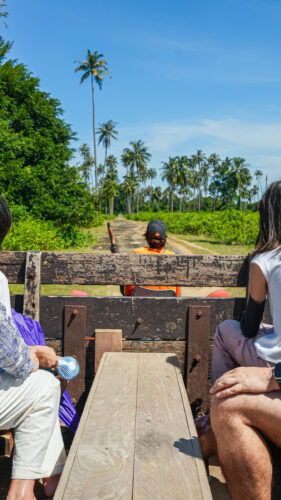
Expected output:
(269, 236)
(5, 220)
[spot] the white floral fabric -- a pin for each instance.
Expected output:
(14, 353)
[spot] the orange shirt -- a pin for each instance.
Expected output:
(159, 251)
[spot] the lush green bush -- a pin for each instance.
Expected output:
(33, 234)
(228, 226)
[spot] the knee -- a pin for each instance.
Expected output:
(227, 412)
(225, 329)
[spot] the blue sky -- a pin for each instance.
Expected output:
(185, 75)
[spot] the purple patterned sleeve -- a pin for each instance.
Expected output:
(14, 353)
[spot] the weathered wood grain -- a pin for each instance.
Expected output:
(177, 347)
(163, 319)
(165, 464)
(110, 269)
(136, 439)
(32, 284)
(100, 463)
(106, 341)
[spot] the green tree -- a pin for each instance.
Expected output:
(242, 177)
(170, 175)
(130, 185)
(96, 67)
(137, 158)
(35, 150)
(111, 188)
(87, 163)
(3, 13)
(106, 132)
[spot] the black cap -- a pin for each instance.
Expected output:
(156, 226)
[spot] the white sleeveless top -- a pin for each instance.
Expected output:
(268, 347)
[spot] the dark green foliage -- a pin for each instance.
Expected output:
(35, 151)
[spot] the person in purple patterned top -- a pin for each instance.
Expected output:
(29, 400)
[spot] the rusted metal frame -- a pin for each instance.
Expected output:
(6, 443)
(197, 352)
(32, 284)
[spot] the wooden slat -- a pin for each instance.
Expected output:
(106, 341)
(164, 318)
(104, 269)
(165, 464)
(100, 462)
(31, 300)
(136, 439)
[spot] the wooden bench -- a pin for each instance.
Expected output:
(136, 439)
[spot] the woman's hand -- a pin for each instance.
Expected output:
(46, 356)
(245, 379)
(34, 360)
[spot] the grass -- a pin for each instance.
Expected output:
(210, 243)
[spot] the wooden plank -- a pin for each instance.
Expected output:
(100, 462)
(141, 269)
(6, 443)
(32, 283)
(164, 318)
(12, 264)
(198, 341)
(165, 463)
(176, 347)
(106, 341)
(74, 345)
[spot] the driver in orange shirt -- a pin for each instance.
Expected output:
(156, 239)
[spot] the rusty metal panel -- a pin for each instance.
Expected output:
(198, 339)
(31, 301)
(75, 345)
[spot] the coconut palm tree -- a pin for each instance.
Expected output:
(110, 189)
(3, 13)
(258, 175)
(130, 185)
(106, 132)
(96, 67)
(170, 175)
(137, 158)
(88, 162)
(242, 177)
(198, 160)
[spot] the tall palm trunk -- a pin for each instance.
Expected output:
(172, 201)
(94, 134)
(111, 208)
(129, 204)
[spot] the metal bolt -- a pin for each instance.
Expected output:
(199, 314)
(139, 321)
(31, 274)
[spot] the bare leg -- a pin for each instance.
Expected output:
(21, 489)
(243, 453)
(50, 484)
(208, 444)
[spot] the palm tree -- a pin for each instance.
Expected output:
(242, 177)
(106, 132)
(88, 161)
(258, 175)
(137, 158)
(3, 13)
(170, 175)
(110, 188)
(95, 67)
(198, 160)
(130, 186)
(156, 196)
